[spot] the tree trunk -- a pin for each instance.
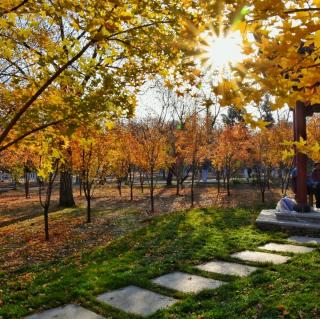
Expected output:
(131, 191)
(141, 181)
(178, 187)
(131, 181)
(46, 204)
(228, 184)
(119, 187)
(169, 178)
(89, 209)
(26, 184)
(46, 222)
(192, 185)
(151, 192)
(218, 180)
(262, 179)
(66, 195)
(268, 179)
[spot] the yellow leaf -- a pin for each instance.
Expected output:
(109, 125)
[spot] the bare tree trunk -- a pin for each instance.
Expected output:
(261, 175)
(218, 180)
(46, 222)
(152, 190)
(192, 183)
(46, 203)
(119, 184)
(228, 182)
(141, 181)
(178, 186)
(131, 181)
(66, 194)
(131, 191)
(87, 193)
(268, 173)
(169, 177)
(27, 184)
(89, 209)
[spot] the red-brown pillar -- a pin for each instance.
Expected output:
(301, 159)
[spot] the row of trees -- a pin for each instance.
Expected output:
(135, 151)
(68, 69)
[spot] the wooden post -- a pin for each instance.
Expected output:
(301, 159)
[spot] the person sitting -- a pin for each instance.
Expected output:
(313, 183)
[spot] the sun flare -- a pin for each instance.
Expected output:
(219, 53)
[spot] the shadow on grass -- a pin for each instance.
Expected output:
(169, 242)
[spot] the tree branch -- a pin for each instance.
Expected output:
(18, 115)
(37, 129)
(14, 8)
(301, 10)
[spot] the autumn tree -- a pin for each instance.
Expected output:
(50, 157)
(313, 135)
(19, 162)
(232, 117)
(191, 144)
(267, 154)
(230, 149)
(66, 190)
(119, 153)
(11, 163)
(182, 107)
(62, 47)
(152, 152)
(281, 44)
(89, 157)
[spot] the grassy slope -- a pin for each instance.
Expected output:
(174, 242)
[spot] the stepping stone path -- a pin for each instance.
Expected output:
(66, 312)
(186, 283)
(260, 257)
(286, 248)
(226, 268)
(304, 240)
(136, 300)
(144, 302)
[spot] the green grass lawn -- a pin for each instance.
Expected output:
(174, 242)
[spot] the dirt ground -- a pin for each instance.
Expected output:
(21, 222)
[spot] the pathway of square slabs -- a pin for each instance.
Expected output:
(136, 300)
(260, 257)
(286, 248)
(227, 268)
(186, 283)
(66, 312)
(143, 302)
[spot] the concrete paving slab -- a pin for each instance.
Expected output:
(187, 283)
(227, 268)
(286, 248)
(304, 239)
(260, 257)
(267, 219)
(136, 300)
(66, 312)
(313, 217)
